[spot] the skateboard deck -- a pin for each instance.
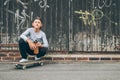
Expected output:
(28, 64)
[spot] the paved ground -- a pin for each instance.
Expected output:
(71, 71)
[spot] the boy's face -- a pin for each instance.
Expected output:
(37, 24)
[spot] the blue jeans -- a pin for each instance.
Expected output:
(25, 50)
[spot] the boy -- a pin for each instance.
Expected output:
(27, 39)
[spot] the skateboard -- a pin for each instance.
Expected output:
(28, 64)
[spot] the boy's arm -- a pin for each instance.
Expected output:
(24, 35)
(25, 38)
(45, 42)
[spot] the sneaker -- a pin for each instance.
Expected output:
(23, 60)
(37, 58)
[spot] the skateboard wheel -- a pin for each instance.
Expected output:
(41, 64)
(24, 67)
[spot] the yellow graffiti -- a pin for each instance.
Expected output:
(89, 18)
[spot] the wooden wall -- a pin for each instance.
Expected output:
(70, 25)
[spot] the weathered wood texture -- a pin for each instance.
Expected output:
(70, 25)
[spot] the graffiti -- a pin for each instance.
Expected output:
(23, 4)
(5, 3)
(22, 19)
(89, 18)
(104, 3)
(31, 15)
(64, 31)
(18, 1)
(98, 14)
(43, 4)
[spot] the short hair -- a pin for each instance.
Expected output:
(37, 18)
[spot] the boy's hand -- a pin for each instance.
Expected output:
(31, 44)
(39, 44)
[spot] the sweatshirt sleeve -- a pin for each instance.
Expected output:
(25, 34)
(45, 42)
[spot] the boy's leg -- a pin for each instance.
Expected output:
(24, 49)
(42, 52)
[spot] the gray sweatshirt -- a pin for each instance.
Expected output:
(32, 35)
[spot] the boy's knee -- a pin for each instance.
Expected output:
(44, 49)
(21, 41)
